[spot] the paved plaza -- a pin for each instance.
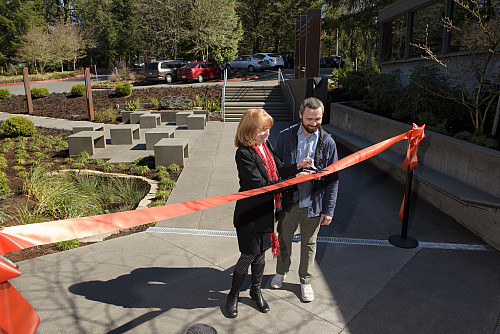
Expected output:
(178, 273)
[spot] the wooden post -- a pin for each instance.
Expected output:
(90, 103)
(27, 90)
(296, 55)
(302, 48)
(313, 41)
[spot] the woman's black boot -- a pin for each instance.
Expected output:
(255, 290)
(234, 293)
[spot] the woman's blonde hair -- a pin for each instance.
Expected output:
(251, 121)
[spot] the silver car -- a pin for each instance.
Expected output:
(163, 70)
(250, 63)
(275, 60)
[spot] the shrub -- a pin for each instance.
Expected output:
(174, 168)
(4, 187)
(123, 89)
(162, 194)
(112, 114)
(39, 92)
(198, 101)
(106, 166)
(4, 93)
(166, 184)
(61, 75)
(134, 105)
(98, 116)
(161, 174)
(18, 126)
(154, 102)
(213, 106)
(78, 90)
(3, 162)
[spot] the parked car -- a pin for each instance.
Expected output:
(165, 70)
(288, 58)
(275, 60)
(138, 63)
(335, 61)
(322, 61)
(199, 71)
(247, 62)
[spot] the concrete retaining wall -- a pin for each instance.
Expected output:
(461, 179)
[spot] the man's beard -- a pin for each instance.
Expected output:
(309, 130)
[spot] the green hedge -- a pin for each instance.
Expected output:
(123, 89)
(39, 92)
(18, 126)
(78, 90)
(4, 93)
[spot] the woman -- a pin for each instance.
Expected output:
(258, 166)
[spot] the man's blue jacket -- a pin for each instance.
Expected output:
(324, 193)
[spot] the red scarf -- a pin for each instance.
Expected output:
(270, 165)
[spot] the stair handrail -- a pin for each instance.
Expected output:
(281, 78)
(223, 102)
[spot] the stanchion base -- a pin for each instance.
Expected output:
(408, 242)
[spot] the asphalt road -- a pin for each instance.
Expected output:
(268, 77)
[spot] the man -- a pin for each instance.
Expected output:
(312, 203)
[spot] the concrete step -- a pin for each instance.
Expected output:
(240, 98)
(257, 104)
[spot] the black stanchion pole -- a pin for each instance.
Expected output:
(404, 241)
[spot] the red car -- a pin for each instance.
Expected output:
(199, 71)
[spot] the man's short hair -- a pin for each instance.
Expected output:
(312, 103)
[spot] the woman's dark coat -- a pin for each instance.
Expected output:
(254, 216)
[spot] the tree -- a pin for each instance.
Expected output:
(355, 22)
(66, 44)
(36, 49)
(162, 26)
(16, 18)
(213, 28)
(478, 86)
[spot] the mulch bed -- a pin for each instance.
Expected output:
(66, 106)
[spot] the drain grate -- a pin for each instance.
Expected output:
(332, 240)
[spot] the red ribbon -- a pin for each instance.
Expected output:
(15, 238)
(416, 134)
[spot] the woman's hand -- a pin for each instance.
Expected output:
(307, 162)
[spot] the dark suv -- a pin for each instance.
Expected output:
(163, 70)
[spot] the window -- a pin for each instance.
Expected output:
(428, 29)
(398, 38)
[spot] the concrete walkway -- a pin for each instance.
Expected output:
(178, 274)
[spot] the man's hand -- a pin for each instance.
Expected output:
(307, 162)
(325, 220)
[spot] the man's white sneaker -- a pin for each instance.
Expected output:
(307, 292)
(277, 281)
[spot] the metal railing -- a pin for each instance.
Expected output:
(223, 102)
(282, 79)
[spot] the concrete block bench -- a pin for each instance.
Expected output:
(124, 134)
(181, 117)
(134, 116)
(149, 121)
(171, 150)
(196, 122)
(167, 116)
(201, 112)
(155, 135)
(89, 127)
(86, 141)
(126, 116)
